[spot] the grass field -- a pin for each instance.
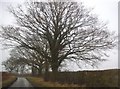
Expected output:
(0, 80)
(104, 78)
(7, 79)
(39, 82)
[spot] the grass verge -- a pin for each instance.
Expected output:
(8, 82)
(39, 82)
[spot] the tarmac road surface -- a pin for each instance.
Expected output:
(21, 82)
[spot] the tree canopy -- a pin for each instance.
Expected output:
(59, 31)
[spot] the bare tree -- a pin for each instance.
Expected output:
(10, 65)
(30, 58)
(60, 31)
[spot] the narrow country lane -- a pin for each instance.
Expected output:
(21, 82)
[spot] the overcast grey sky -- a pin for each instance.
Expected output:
(107, 11)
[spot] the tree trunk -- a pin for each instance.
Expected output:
(39, 71)
(33, 71)
(54, 73)
(46, 75)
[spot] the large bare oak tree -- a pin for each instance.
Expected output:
(59, 31)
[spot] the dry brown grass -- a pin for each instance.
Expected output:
(7, 79)
(6, 83)
(0, 80)
(39, 82)
(98, 78)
